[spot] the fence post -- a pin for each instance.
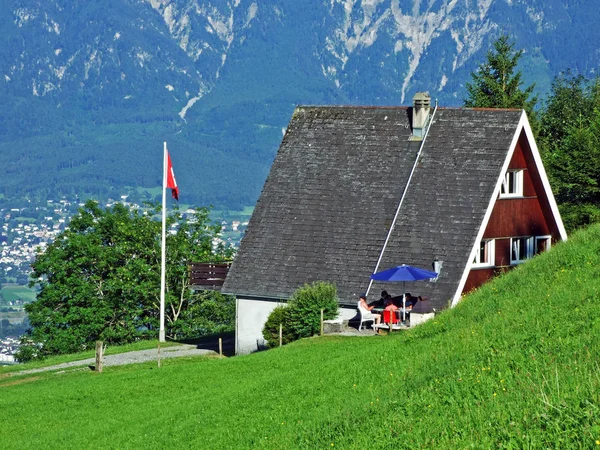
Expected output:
(321, 322)
(99, 352)
(158, 357)
(220, 346)
(280, 334)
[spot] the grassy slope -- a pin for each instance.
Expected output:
(513, 366)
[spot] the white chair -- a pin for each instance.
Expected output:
(365, 316)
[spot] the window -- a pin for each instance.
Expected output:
(542, 244)
(521, 248)
(512, 185)
(485, 254)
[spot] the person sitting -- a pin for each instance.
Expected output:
(382, 301)
(366, 310)
(409, 301)
(392, 308)
(397, 301)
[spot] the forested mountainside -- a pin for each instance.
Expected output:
(90, 90)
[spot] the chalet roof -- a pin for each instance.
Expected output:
(332, 192)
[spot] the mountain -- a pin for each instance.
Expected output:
(90, 90)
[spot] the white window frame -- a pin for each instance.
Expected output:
(515, 248)
(490, 249)
(548, 240)
(517, 184)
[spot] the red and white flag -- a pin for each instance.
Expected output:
(171, 183)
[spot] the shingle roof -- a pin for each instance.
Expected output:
(334, 186)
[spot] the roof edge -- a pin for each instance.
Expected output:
(524, 125)
(488, 211)
(402, 107)
(369, 107)
(268, 298)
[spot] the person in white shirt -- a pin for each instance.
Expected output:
(366, 309)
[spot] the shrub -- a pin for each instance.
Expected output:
(305, 308)
(579, 215)
(301, 317)
(28, 351)
(280, 315)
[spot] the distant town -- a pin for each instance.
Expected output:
(30, 228)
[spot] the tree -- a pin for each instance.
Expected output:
(570, 143)
(495, 83)
(191, 314)
(100, 279)
(572, 98)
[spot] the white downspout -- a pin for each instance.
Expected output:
(403, 195)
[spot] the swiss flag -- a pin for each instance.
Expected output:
(171, 183)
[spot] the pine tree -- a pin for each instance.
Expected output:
(570, 143)
(497, 85)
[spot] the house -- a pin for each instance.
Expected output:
(354, 190)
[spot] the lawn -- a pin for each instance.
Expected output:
(515, 365)
(11, 293)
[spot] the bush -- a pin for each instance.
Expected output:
(28, 351)
(301, 317)
(280, 315)
(579, 215)
(306, 305)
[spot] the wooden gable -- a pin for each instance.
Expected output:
(529, 216)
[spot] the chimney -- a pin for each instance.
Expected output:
(420, 115)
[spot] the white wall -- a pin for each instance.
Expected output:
(347, 312)
(251, 316)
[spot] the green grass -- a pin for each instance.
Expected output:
(11, 293)
(22, 219)
(515, 365)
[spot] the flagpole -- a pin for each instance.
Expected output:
(163, 249)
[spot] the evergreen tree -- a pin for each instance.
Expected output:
(495, 84)
(570, 143)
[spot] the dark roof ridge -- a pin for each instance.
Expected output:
(400, 107)
(493, 109)
(353, 106)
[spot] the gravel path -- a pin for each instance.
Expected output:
(126, 358)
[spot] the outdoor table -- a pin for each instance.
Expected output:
(398, 312)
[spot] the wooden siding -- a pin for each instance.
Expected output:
(536, 181)
(516, 217)
(477, 277)
(210, 276)
(529, 215)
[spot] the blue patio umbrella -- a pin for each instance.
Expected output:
(404, 273)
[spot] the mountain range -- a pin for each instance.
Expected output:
(90, 90)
